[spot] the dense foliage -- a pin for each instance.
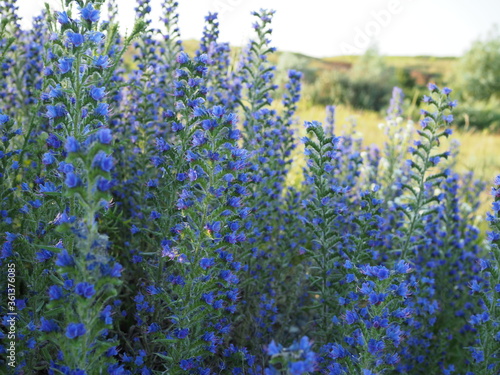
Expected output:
(366, 85)
(149, 226)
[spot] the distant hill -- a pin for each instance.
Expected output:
(421, 68)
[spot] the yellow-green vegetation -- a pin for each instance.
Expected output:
(428, 64)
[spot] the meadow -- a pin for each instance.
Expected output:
(170, 207)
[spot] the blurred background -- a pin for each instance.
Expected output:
(353, 53)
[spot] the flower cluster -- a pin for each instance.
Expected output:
(152, 206)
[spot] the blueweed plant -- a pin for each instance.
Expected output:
(485, 352)
(149, 225)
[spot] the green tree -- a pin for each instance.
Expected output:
(478, 71)
(371, 81)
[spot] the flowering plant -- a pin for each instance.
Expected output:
(149, 224)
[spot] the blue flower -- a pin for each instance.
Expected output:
(75, 330)
(44, 255)
(448, 118)
(105, 136)
(102, 109)
(55, 111)
(182, 333)
(101, 62)
(97, 93)
(434, 160)
(85, 289)
(75, 38)
(208, 298)
(432, 87)
(183, 58)
(425, 122)
(49, 325)
(66, 64)
(62, 18)
(206, 263)
(496, 206)
(55, 92)
(351, 317)
(301, 367)
(64, 259)
(103, 161)
(103, 184)
(218, 111)
(72, 180)
(446, 91)
(95, 37)
(53, 141)
(55, 292)
(48, 159)
(375, 346)
(187, 364)
(477, 355)
(3, 118)
(90, 14)
(402, 267)
(72, 145)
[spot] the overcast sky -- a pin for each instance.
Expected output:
(335, 27)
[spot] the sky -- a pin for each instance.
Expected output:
(323, 28)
